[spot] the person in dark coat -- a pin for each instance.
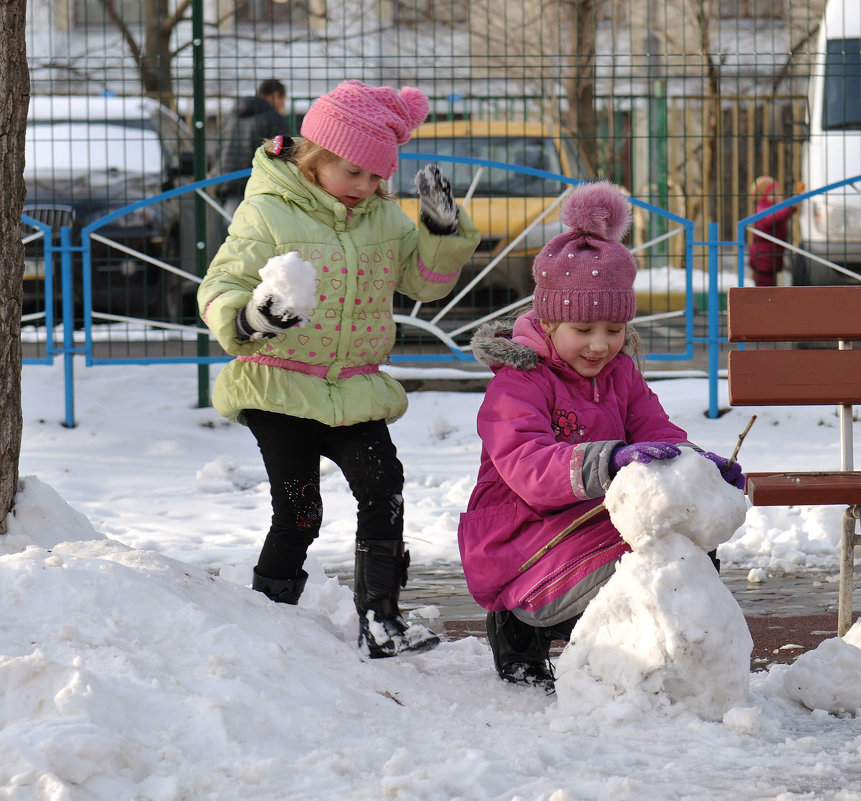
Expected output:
(252, 121)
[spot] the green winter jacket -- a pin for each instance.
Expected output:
(326, 370)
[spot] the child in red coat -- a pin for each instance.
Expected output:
(764, 256)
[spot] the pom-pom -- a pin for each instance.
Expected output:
(597, 209)
(417, 107)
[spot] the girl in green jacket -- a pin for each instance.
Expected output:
(310, 332)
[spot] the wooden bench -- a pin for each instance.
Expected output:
(796, 377)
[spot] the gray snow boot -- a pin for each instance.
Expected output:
(282, 591)
(381, 571)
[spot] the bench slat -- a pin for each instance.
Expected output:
(803, 489)
(794, 377)
(793, 314)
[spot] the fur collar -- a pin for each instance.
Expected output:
(493, 347)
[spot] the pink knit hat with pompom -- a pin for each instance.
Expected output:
(586, 274)
(365, 124)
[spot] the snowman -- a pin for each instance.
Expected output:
(664, 633)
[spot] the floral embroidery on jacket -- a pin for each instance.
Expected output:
(565, 426)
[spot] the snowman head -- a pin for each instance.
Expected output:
(685, 495)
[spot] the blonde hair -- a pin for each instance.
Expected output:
(308, 157)
(762, 186)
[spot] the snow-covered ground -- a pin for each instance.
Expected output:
(135, 663)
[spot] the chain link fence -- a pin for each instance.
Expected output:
(681, 103)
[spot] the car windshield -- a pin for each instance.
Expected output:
(63, 148)
(842, 110)
(536, 152)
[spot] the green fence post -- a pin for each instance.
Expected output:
(200, 232)
(659, 175)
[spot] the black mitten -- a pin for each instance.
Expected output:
(256, 321)
(438, 210)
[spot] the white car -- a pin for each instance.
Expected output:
(831, 222)
(88, 156)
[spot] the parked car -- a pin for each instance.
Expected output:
(88, 156)
(502, 203)
(830, 223)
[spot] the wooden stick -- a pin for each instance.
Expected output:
(741, 439)
(601, 507)
(561, 535)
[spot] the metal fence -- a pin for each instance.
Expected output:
(682, 104)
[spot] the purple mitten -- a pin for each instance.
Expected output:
(643, 452)
(730, 471)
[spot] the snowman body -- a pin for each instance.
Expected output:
(664, 632)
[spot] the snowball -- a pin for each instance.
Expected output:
(291, 283)
(756, 576)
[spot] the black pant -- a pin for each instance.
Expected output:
(291, 448)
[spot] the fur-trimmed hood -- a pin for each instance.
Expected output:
(520, 342)
(511, 342)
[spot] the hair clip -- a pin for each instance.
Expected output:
(277, 145)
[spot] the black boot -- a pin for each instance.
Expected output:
(282, 591)
(715, 560)
(521, 653)
(381, 571)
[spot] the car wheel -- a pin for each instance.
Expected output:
(800, 270)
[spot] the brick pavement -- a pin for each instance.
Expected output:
(776, 639)
(787, 614)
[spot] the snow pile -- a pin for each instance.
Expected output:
(664, 631)
(291, 283)
(41, 517)
(140, 664)
(841, 660)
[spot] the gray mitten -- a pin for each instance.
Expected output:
(438, 211)
(256, 321)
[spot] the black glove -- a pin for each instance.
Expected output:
(438, 211)
(258, 322)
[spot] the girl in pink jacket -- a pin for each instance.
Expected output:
(566, 409)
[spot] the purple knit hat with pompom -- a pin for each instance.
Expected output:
(586, 274)
(365, 124)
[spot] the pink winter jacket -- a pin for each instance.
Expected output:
(547, 435)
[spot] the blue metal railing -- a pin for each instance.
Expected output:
(454, 352)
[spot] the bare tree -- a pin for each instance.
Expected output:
(581, 119)
(688, 35)
(549, 47)
(153, 55)
(15, 80)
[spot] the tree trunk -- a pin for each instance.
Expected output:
(14, 101)
(582, 120)
(156, 58)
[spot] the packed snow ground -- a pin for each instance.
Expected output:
(135, 663)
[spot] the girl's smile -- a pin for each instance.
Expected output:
(586, 346)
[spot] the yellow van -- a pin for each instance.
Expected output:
(502, 203)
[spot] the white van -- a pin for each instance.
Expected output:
(831, 223)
